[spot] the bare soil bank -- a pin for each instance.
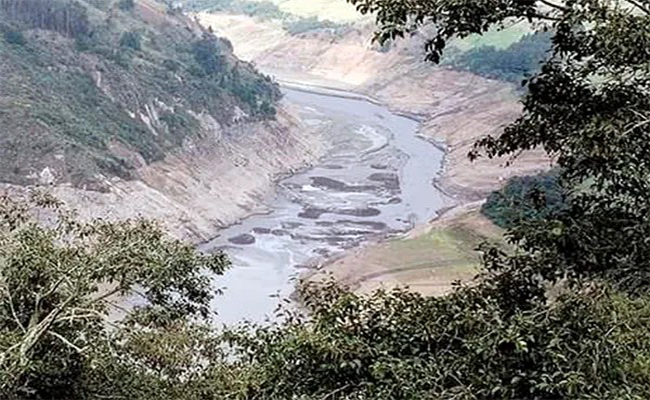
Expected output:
(206, 185)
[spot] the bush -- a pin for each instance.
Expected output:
(208, 55)
(525, 198)
(513, 64)
(132, 40)
(126, 5)
(313, 24)
(15, 37)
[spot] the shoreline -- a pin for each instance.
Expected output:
(330, 91)
(314, 266)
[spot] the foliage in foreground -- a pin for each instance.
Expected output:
(116, 310)
(472, 344)
(64, 283)
(506, 336)
(524, 199)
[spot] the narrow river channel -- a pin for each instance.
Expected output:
(375, 180)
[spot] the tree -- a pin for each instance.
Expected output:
(504, 336)
(14, 37)
(588, 108)
(67, 17)
(400, 345)
(525, 199)
(518, 61)
(62, 282)
(207, 54)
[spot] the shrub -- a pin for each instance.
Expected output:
(313, 24)
(15, 37)
(132, 40)
(208, 55)
(126, 5)
(525, 198)
(513, 64)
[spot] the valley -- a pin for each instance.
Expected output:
(453, 110)
(374, 181)
(356, 151)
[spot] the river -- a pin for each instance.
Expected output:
(375, 180)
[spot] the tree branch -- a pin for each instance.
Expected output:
(553, 5)
(639, 5)
(105, 295)
(3, 356)
(13, 312)
(543, 17)
(67, 342)
(37, 330)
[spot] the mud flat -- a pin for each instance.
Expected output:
(345, 200)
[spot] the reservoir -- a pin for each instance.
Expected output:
(375, 180)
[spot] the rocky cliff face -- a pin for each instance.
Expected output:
(207, 184)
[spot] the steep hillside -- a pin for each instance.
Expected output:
(102, 88)
(130, 108)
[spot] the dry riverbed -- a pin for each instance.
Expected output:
(456, 109)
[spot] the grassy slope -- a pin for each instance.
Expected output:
(68, 104)
(499, 39)
(428, 261)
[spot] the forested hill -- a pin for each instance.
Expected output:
(96, 88)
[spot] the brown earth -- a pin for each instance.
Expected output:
(216, 177)
(429, 259)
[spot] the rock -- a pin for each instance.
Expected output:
(243, 239)
(46, 177)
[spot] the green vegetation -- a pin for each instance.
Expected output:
(126, 5)
(102, 84)
(519, 60)
(69, 18)
(60, 282)
(561, 313)
(14, 37)
(499, 37)
(132, 40)
(266, 10)
(262, 9)
(525, 199)
(299, 26)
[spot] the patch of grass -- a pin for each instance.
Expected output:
(336, 11)
(294, 24)
(513, 63)
(428, 262)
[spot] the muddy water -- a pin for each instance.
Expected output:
(375, 180)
